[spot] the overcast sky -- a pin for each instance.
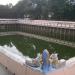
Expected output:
(4, 2)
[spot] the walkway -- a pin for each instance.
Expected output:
(70, 44)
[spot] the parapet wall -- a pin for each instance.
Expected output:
(15, 67)
(18, 67)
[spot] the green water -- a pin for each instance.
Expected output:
(25, 45)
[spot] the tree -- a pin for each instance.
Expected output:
(57, 8)
(22, 8)
(39, 9)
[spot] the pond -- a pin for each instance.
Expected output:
(31, 46)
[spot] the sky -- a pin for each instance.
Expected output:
(5, 2)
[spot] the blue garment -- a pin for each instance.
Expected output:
(45, 65)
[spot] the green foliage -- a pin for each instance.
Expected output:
(39, 9)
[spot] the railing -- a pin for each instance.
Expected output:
(59, 24)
